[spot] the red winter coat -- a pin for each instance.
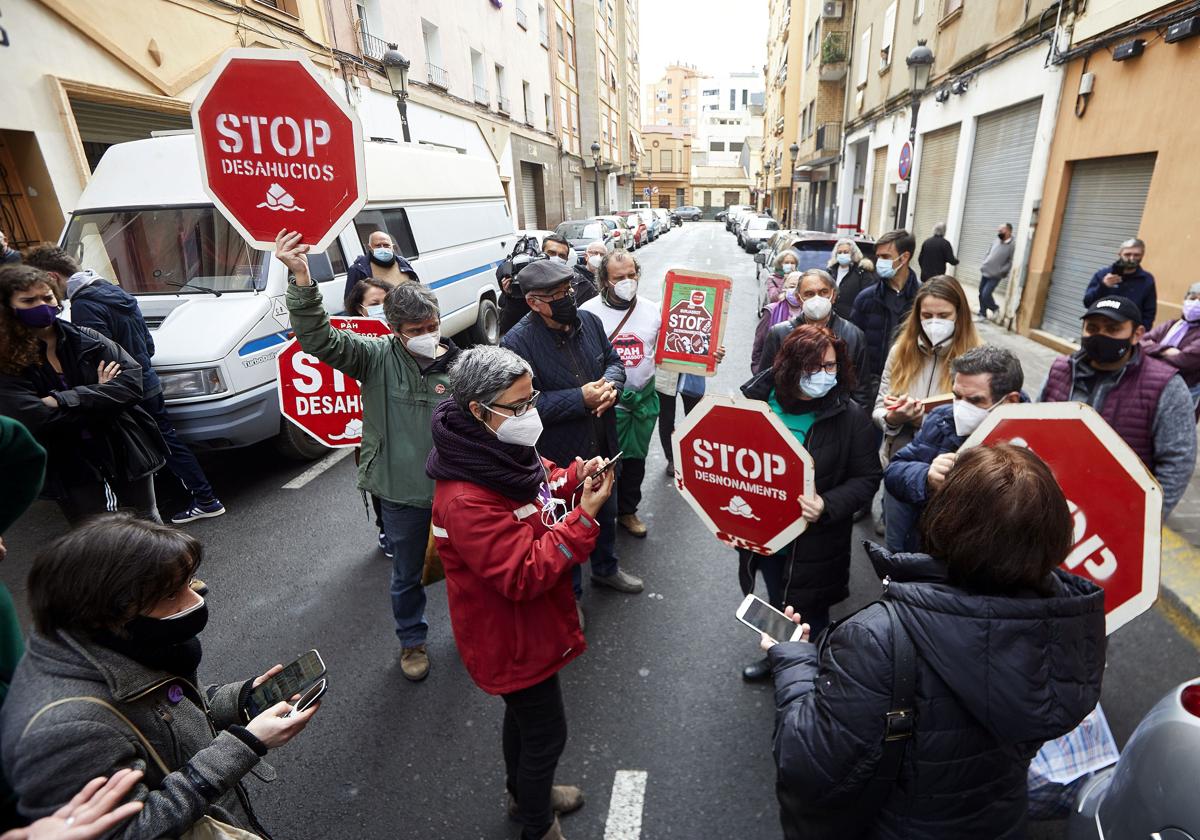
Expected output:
(508, 580)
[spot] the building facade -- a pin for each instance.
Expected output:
(674, 99)
(782, 105)
(983, 128)
(666, 166)
(1103, 185)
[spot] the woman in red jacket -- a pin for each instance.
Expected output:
(509, 533)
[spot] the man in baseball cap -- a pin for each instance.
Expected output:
(1143, 398)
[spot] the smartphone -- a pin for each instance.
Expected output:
(608, 466)
(314, 693)
(758, 615)
(292, 680)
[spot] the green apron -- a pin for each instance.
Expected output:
(636, 413)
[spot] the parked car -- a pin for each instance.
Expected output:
(758, 229)
(813, 250)
(722, 215)
(739, 227)
(664, 218)
(1151, 790)
(625, 234)
(733, 212)
(583, 232)
(641, 233)
(652, 224)
(689, 213)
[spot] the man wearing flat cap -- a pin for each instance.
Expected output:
(580, 377)
(1143, 398)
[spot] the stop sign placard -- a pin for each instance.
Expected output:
(324, 402)
(277, 149)
(743, 471)
(1115, 503)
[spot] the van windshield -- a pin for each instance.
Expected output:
(155, 251)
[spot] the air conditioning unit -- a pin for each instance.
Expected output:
(832, 9)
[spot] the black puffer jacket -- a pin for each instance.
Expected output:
(847, 474)
(996, 677)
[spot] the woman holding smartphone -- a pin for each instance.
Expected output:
(109, 680)
(809, 389)
(509, 529)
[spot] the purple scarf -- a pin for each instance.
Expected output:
(463, 450)
(780, 312)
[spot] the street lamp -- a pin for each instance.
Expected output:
(795, 150)
(757, 191)
(396, 66)
(596, 183)
(920, 67)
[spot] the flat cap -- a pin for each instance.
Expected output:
(540, 275)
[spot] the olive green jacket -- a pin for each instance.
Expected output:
(397, 396)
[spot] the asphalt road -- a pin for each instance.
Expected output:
(657, 691)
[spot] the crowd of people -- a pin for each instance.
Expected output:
(515, 465)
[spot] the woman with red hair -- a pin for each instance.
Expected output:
(809, 389)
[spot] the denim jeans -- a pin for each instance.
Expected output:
(987, 303)
(900, 523)
(180, 459)
(604, 560)
(534, 736)
(406, 529)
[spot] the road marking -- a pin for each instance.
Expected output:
(318, 468)
(625, 808)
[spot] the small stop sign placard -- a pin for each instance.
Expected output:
(277, 149)
(743, 472)
(322, 401)
(1115, 503)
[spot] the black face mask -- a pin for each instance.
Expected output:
(1105, 349)
(563, 310)
(1126, 265)
(166, 644)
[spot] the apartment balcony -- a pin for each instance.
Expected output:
(372, 48)
(779, 124)
(503, 106)
(833, 57)
(522, 18)
(437, 76)
(481, 96)
(829, 137)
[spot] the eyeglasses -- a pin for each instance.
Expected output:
(828, 367)
(567, 292)
(519, 408)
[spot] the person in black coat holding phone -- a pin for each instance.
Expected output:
(77, 392)
(809, 389)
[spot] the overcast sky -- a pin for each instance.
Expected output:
(715, 35)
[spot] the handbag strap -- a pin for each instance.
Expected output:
(153, 753)
(628, 313)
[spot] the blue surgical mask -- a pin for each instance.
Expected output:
(383, 255)
(885, 268)
(843, 259)
(375, 311)
(817, 385)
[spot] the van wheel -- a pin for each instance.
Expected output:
(295, 445)
(487, 324)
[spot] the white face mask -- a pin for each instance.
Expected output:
(817, 308)
(557, 260)
(522, 431)
(424, 346)
(375, 311)
(937, 330)
(843, 259)
(788, 268)
(968, 417)
(594, 262)
(625, 289)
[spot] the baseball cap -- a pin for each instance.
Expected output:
(539, 275)
(1115, 308)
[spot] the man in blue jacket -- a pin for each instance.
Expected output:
(1126, 278)
(880, 308)
(984, 377)
(380, 261)
(114, 313)
(580, 377)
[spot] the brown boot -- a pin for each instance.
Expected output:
(555, 832)
(631, 523)
(563, 800)
(414, 663)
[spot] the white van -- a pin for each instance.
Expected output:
(215, 306)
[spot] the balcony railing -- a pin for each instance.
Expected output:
(437, 76)
(372, 47)
(829, 137)
(779, 123)
(833, 48)
(522, 18)
(481, 95)
(502, 105)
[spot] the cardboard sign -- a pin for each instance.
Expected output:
(695, 306)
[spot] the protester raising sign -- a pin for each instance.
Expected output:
(695, 305)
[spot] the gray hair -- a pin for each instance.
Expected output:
(821, 274)
(1193, 289)
(481, 374)
(1132, 242)
(410, 303)
(939, 229)
(612, 256)
(1004, 368)
(786, 253)
(596, 244)
(856, 254)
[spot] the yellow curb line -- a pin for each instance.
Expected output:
(1180, 585)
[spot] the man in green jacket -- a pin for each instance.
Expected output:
(403, 376)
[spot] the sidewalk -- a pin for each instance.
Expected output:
(1180, 576)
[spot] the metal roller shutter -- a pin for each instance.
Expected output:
(996, 186)
(934, 179)
(877, 184)
(108, 124)
(1104, 208)
(529, 214)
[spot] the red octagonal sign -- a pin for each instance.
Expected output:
(743, 471)
(277, 149)
(1115, 503)
(324, 402)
